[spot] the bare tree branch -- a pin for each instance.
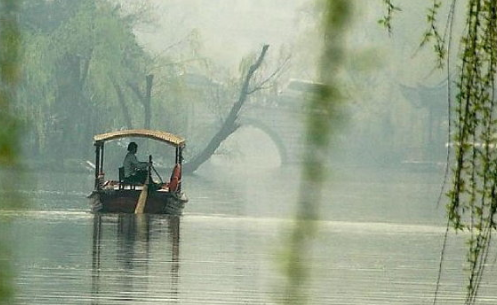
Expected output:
(258, 89)
(229, 125)
(276, 73)
(171, 46)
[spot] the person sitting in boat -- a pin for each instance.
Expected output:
(134, 170)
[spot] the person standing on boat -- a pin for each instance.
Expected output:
(134, 171)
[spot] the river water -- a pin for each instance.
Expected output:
(378, 242)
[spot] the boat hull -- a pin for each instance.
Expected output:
(124, 201)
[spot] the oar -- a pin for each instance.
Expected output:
(142, 200)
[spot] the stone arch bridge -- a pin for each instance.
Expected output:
(283, 123)
(280, 116)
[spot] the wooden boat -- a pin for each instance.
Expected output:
(117, 196)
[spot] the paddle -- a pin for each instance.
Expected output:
(142, 200)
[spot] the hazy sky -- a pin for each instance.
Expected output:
(230, 30)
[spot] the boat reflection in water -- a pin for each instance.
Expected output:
(135, 258)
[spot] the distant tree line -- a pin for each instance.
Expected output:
(84, 73)
(72, 51)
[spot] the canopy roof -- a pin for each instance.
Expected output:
(141, 133)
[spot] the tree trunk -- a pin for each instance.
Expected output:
(229, 125)
(122, 104)
(145, 99)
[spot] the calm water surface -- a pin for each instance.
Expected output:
(379, 242)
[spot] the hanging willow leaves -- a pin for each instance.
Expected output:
(473, 198)
(386, 21)
(473, 193)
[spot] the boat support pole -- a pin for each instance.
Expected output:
(101, 160)
(97, 164)
(179, 160)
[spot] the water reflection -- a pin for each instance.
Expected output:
(125, 257)
(97, 234)
(379, 243)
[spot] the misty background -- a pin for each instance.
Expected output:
(84, 69)
(85, 64)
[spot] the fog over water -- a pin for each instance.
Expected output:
(378, 243)
(380, 227)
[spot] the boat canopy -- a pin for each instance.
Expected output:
(162, 136)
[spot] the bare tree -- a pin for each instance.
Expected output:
(230, 124)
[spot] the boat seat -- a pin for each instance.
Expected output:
(122, 182)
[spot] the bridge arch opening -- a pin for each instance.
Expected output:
(249, 147)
